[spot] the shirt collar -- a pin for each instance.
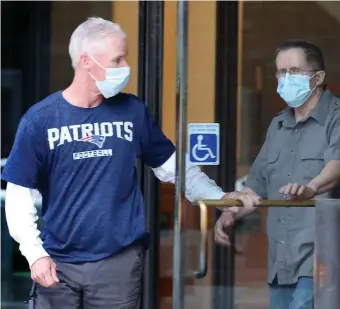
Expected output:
(319, 113)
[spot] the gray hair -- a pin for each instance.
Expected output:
(89, 36)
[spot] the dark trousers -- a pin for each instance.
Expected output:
(113, 283)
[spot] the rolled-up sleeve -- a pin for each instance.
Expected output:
(333, 136)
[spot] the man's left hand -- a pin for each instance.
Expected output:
(299, 192)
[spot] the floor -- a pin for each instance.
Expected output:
(199, 297)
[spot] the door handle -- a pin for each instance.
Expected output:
(203, 205)
(203, 258)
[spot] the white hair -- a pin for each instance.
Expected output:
(89, 36)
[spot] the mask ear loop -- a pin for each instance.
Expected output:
(315, 84)
(314, 87)
(95, 79)
(98, 65)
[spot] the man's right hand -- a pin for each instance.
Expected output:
(250, 201)
(44, 272)
(224, 222)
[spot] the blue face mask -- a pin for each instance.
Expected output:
(115, 80)
(294, 89)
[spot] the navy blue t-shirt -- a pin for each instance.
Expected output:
(82, 160)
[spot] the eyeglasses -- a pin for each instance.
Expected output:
(292, 71)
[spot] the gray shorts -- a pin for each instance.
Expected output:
(113, 283)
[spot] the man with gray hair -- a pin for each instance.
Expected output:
(78, 148)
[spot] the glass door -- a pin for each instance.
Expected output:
(205, 95)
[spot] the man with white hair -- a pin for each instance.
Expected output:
(78, 149)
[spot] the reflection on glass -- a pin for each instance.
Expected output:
(327, 255)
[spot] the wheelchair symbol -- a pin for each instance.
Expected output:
(200, 147)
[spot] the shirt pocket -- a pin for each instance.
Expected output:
(312, 162)
(272, 163)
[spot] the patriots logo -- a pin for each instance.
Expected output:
(98, 140)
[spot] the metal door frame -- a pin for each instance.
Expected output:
(150, 76)
(225, 114)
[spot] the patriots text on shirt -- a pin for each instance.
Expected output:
(94, 133)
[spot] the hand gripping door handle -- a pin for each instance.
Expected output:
(203, 205)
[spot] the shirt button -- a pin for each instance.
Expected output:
(288, 174)
(285, 197)
(296, 130)
(282, 242)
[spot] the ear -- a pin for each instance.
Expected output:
(320, 77)
(84, 61)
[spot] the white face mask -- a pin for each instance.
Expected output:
(115, 80)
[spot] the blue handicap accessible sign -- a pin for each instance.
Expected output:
(204, 143)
